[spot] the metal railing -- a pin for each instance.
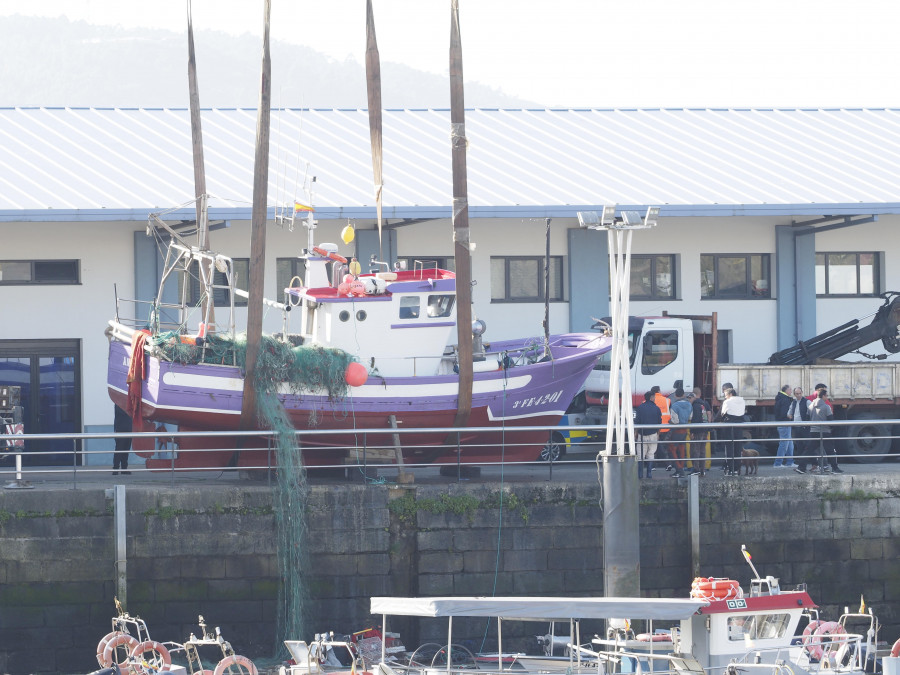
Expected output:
(20, 465)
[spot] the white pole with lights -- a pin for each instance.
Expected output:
(620, 417)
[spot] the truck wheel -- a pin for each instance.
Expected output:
(553, 450)
(867, 440)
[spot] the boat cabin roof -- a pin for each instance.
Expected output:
(540, 608)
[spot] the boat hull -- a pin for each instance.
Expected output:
(511, 402)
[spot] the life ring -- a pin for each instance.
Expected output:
(895, 650)
(159, 660)
(328, 254)
(102, 646)
(814, 636)
(715, 588)
(655, 637)
(121, 640)
(225, 665)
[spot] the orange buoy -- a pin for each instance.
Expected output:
(715, 588)
(356, 374)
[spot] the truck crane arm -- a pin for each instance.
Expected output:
(848, 338)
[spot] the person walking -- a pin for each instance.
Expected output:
(682, 410)
(733, 411)
(647, 413)
(785, 456)
(799, 412)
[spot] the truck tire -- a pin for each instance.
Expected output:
(867, 440)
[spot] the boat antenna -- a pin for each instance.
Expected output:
(749, 561)
(373, 92)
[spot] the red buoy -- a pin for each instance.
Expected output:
(356, 374)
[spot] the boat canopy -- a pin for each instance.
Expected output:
(541, 608)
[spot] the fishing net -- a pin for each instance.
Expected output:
(305, 369)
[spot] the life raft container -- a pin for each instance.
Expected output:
(815, 637)
(715, 588)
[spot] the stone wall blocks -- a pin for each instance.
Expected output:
(529, 537)
(516, 561)
(435, 584)
(876, 528)
(847, 528)
(574, 559)
(446, 562)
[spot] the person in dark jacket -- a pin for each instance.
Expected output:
(799, 412)
(647, 413)
(121, 424)
(785, 456)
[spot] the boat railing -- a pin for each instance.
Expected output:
(834, 653)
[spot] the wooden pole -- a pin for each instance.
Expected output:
(258, 231)
(373, 91)
(461, 250)
(207, 304)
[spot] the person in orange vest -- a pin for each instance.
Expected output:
(662, 402)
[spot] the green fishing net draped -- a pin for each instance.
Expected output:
(305, 369)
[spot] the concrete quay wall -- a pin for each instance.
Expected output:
(211, 550)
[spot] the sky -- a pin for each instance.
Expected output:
(573, 53)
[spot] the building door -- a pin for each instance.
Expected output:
(49, 374)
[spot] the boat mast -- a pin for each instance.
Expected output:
(207, 307)
(258, 230)
(462, 251)
(373, 92)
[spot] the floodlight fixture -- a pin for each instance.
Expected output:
(609, 215)
(632, 218)
(588, 219)
(652, 217)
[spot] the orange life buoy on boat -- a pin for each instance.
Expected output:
(120, 640)
(159, 658)
(815, 635)
(715, 588)
(327, 254)
(224, 666)
(101, 646)
(895, 650)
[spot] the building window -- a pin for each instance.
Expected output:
(847, 274)
(733, 276)
(521, 279)
(428, 262)
(17, 272)
(652, 277)
(285, 271)
(220, 295)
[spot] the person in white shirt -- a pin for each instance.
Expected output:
(733, 411)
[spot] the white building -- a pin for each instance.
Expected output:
(781, 221)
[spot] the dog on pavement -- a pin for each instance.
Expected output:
(750, 461)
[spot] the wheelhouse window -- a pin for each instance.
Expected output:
(47, 272)
(848, 274)
(409, 307)
(439, 305)
(735, 276)
(220, 295)
(653, 277)
(757, 626)
(521, 279)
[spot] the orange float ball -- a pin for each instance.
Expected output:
(343, 288)
(356, 374)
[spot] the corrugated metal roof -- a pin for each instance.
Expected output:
(125, 162)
